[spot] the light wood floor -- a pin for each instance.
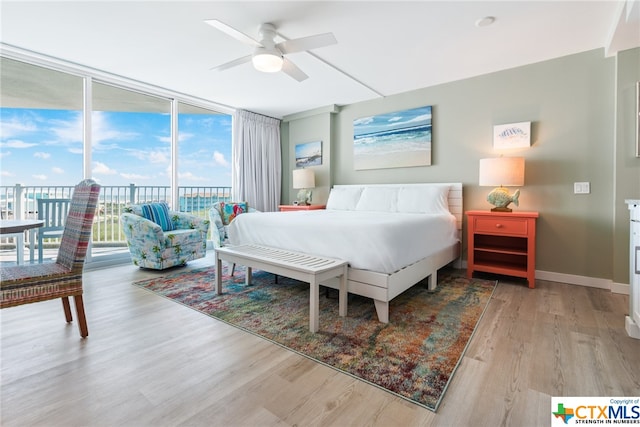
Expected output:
(151, 362)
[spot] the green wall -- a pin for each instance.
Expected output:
(573, 103)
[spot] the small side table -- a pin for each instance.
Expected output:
(502, 243)
(289, 208)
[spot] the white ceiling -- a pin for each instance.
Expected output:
(389, 47)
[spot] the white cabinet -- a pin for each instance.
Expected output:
(632, 323)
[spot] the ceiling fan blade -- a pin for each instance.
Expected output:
(292, 70)
(306, 43)
(233, 63)
(238, 35)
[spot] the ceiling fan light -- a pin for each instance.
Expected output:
(267, 62)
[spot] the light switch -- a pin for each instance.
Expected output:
(581, 188)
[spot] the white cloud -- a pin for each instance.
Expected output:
(218, 157)
(134, 176)
(40, 177)
(68, 131)
(6, 173)
(41, 155)
(16, 143)
(158, 157)
(395, 119)
(57, 170)
(420, 118)
(102, 169)
(16, 126)
(182, 137)
(363, 121)
(191, 176)
(102, 131)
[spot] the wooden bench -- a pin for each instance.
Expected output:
(308, 268)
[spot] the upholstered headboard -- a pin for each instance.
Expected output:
(418, 198)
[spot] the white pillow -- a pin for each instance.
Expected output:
(344, 198)
(430, 199)
(378, 199)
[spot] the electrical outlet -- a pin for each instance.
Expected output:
(581, 188)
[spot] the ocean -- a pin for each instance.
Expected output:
(412, 138)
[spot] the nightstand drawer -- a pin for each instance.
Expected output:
(508, 226)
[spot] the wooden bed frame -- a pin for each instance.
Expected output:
(384, 287)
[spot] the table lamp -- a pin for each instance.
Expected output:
(502, 171)
(303, 180)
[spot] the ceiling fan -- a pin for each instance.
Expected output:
(269, 56)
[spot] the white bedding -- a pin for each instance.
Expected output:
(382, 242)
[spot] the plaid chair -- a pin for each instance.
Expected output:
(30, 283)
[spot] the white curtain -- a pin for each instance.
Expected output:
(257, 163)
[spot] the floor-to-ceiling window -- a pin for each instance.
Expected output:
(130, 156)
(204, 156)
(130, 146)
(41, 140)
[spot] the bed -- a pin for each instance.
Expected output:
(392, 235)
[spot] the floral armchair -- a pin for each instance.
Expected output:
(159, 238)
(221, 214)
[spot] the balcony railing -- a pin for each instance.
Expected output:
(21, 202)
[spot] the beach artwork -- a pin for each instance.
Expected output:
(309, 154)
(514, 135)
(393, 140)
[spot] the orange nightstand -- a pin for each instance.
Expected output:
(289, 208)
(502, 243)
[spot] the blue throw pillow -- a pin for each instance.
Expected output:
(158, 213)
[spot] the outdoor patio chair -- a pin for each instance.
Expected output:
(54, 213)
(24, 284)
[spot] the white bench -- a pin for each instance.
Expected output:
(308, 268)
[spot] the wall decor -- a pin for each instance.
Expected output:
(309, 154)
(637, 119)
(393, 140)
(513, 135)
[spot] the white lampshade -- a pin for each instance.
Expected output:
(268, 61)
(502, 171)
(303, 178)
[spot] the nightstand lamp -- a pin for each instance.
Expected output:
(502, 171)
(304, 180)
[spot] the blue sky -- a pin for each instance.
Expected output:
(44, 147)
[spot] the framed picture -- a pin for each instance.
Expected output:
(309, 154)
(514, 135)
(637, 119)
(393, 140)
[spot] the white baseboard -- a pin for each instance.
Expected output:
(621, 288)
(572, 279)
(632, 328)
(592, 282)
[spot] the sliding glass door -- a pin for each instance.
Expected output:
(131, 150)
(130, 157)
(204, 157)
(41, 143)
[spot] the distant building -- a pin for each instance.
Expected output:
(203, 201)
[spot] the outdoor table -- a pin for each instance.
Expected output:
(16, 228)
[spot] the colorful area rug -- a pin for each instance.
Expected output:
(413, 356)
